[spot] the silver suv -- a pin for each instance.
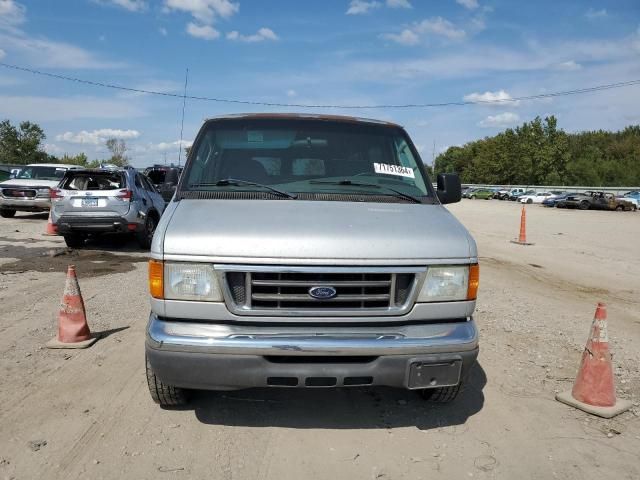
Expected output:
(310, 251)
(90, 202)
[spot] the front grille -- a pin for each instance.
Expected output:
(284, 292)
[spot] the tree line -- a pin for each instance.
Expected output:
(539, 153)
(24, 144)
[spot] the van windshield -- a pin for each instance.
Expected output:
(305, 156)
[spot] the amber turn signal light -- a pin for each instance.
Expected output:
(156, 278)
(474, 281)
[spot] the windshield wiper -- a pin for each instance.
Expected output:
(397, 193)
(236, 182)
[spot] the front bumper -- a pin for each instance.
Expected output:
(35, 204)
(221, 356)
(94, 224)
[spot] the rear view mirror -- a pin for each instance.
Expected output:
(449, 188)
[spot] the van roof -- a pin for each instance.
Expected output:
(303, 116)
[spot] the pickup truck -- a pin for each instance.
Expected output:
(310, 251)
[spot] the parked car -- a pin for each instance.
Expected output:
(553, 200)
(516, 193)
(481, 193)
(4, 174)
(538, 197)
(633, 197)
(596, 201)
(94, 201)
(164, 178)
(30, 189)
(502, 194)
(465, 192)
(310, 251)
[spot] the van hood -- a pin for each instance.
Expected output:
(29, 182)
(300, 231)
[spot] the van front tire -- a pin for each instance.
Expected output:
(442, 394)
(163, 394)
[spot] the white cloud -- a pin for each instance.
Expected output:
(169, 146)
(593, 14)
(399, 4)
(406, 37)
(440, 26)
(568, 66)
(501, 120)
(53, 149)
(262, 35)
(163, 31)
(11, 13)
(430, 26)
(2, 54)
(292, 93)
(361, 7)
(470, 4)
(206, 32)
(205, 11)
(499, 97)
(97, 137)
(131, 5)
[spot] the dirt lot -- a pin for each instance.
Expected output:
(69, 414)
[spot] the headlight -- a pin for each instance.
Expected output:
(451, 283)
(191, 281)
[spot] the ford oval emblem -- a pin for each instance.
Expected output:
(323, 292)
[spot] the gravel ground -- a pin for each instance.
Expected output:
(70, 414)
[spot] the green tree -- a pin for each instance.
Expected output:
(118, 149)
(79, 159)
(23, 144)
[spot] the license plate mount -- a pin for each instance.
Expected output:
(433, 375)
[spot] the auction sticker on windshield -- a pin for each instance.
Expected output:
(393, 170)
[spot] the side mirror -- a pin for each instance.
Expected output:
(449, 188)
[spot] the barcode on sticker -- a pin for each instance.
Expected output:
(393, 170)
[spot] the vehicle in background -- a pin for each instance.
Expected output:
(538, 197)
(95, 201)
(553, 200)
(466, 193)
(482, 193)
(30, 189)
(595, 201)
(516, 193)
(164, 178)
(502, 194)
(633, 197)
(310, 251)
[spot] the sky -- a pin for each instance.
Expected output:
(338, 52)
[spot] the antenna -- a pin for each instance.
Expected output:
(184, 101)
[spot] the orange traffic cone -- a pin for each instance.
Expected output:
(522, 238)
(594, 390)
(51, 228)
(73, 330)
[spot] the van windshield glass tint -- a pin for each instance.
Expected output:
(292, 155)
(94, 181)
